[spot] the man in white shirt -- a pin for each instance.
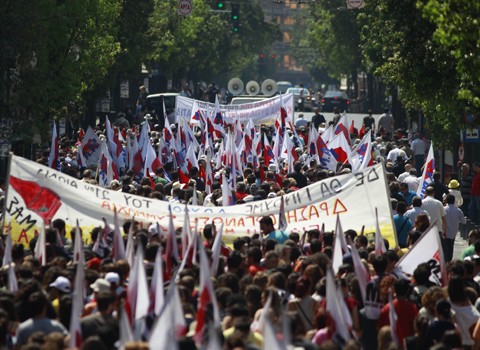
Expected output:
(412, 180)
(435, 209)
(454, 217)
(418, 147)
(395, 153)
(416, 210)
(403, 175)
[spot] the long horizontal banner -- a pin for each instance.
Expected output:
(265, 111)
(37, 193)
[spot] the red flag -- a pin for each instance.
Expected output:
(361, 133)
(206, 298)
(342, 128)
(340, 148)
(41, 200)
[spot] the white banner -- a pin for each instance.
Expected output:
(36, 192)
(260, 112)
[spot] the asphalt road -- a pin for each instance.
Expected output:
(356, 117)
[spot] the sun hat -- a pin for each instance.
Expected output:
(100, 285)
(453, 184)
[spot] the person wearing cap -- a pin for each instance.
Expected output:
(268, 230)
(114, 279)
(100, 285)
(454, 189)
(59, 287)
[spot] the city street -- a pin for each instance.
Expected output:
(356, 117)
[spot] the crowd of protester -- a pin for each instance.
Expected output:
(287, 268)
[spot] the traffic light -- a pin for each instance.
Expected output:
(236, 17)
(219, 4)
(261, 56)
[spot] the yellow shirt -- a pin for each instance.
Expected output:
(253, 337)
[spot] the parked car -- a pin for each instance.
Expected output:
(304, 102)
(282, 86)
(332, 99)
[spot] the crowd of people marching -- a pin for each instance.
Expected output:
(273, 290)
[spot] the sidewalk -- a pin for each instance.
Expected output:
(460, 244)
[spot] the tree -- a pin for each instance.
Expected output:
(333, 34)
(52, 53)
(398, 46)
(457, 30)
(203, 46)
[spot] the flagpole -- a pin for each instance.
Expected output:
(7, 182)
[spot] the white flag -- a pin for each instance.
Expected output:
(282, 218)
(428, 248)
(40, 247)
(379, 242)
(336, 308)
(118, 251)
(216, 250)
(7, 255)
(340, 246)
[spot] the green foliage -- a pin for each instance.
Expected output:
(54, 52)
(333, 35)
(426, 48)
(458, 30)
(203, 46)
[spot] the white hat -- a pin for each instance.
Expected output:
(100, 285)
(153, 229)
(271, 195)
(177, 185)
(62, 284)
(272, 167)
(112, 277)
(248, 198)
(147, 116)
